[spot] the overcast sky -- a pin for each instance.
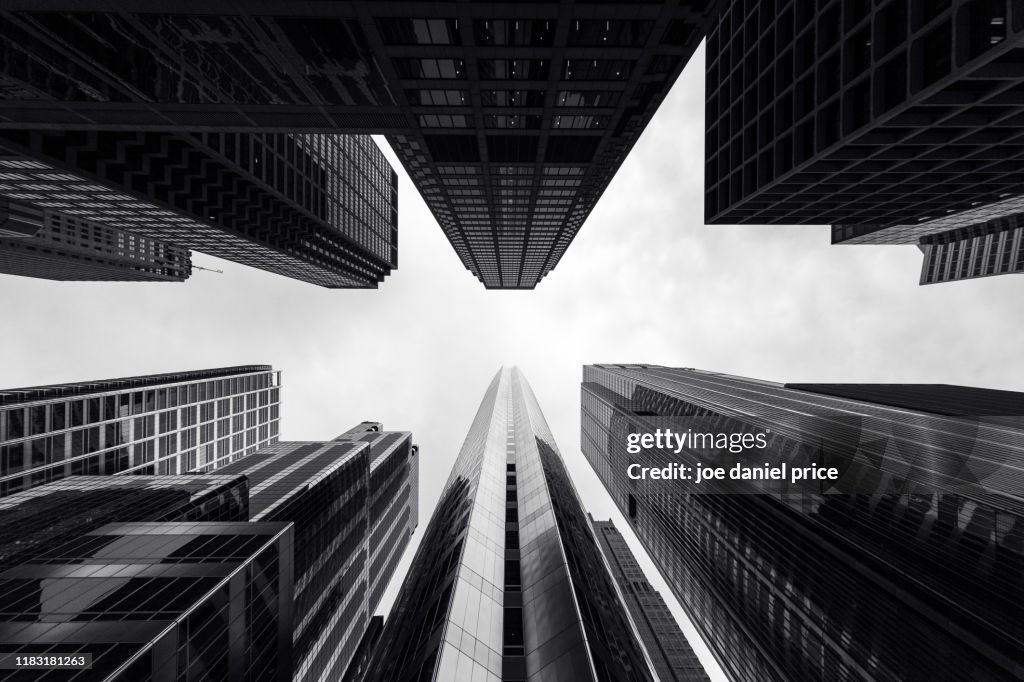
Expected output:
(644, 281)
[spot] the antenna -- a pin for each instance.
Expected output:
(199, 267)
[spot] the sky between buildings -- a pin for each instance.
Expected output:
(644, 281)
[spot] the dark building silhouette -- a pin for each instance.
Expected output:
(319, 208)
(154, 601)
(908, 568)
(353, 504)
(48, 245)
(510, 118)
(508, 582)
(891, 122)
(673, 657)
(159, 424)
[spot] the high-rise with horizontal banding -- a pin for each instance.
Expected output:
(175, 423)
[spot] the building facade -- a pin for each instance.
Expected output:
(508, 582)
(33, 521)
(163, 424)
(326, 521)
(891, 122)
(519, 115)
(318, 208)
(156, 601)
(511, 119)
(353, 504)
(672, 656)
(47, 245)
(851, 113)
(908, 569)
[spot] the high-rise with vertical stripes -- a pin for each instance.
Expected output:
(907, 568)
(508, 582)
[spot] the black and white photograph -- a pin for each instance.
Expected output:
(511, 341)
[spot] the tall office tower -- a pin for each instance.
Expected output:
(673, 657)
(911, 572)
(41, 243)
(508, 582)
(887, 121)
(157, 424)
(510, 118)
(394, 500)
(353, 505)
(318, 208)
(520, 114)
(187, 601)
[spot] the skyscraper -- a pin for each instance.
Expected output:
(508, 582)
(157, 424)
(889, 122)
(353, 504)
(154, 601)
(511, 119)
(318, 208)
(520, 114)
(908, 569)
(110, 548)
(673, 657)
(48, 245)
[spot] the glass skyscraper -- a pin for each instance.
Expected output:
(158, 424)
(284, 553)
(672, 656)
(508, 582)
(150, 577)
(511, 118)
(353, 504)
(908, 569)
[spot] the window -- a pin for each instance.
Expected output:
(513, 69)
(579, 122)
(597, 69)
(512, 575)
(430, 98)
(532, 32)
(512, 121)
(586, 98)
(512, 539)
(609, 32)
(401, 31)
(512, 98)
(442, 121)
(430, 68)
